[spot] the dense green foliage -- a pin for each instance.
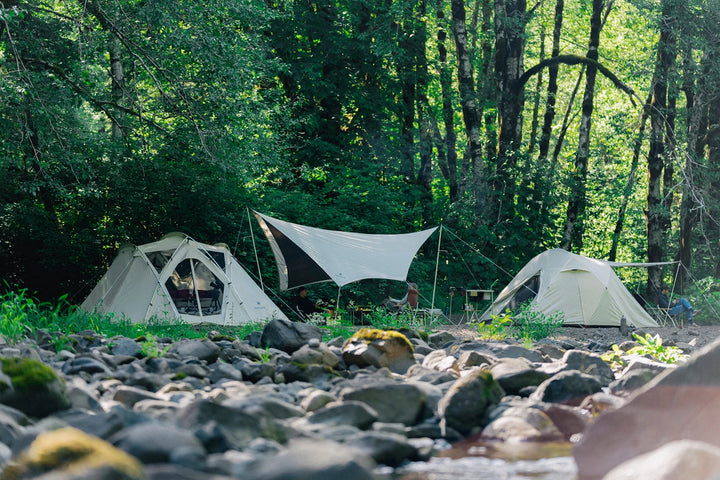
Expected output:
(122, 121)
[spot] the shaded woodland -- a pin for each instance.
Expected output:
(520, 126)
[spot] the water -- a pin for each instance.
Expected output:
(495, 461)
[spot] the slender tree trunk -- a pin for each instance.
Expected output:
(567, 119)
(536, 98)
(466, 85)
(549, 116)
(631, 181)
(696, 128)
(424, 178)
(488, 97)
(406, 74)
(656, 213)
(574, 224)
(448, 112)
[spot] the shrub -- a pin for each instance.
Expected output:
(530, 324)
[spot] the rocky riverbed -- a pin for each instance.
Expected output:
(284, 405)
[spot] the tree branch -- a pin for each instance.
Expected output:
(574, 60)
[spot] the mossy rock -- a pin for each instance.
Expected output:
(372, 334)
(69, 450)
(32, 387)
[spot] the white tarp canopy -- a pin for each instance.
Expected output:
(587, 291)
(180, 278)
(306, 255)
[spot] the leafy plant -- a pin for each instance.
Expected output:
(614, 357)
(535, 325)
(653, 345)
(150, 347)
(498, 328)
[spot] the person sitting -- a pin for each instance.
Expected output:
(303, 305)
(410, 299)
(675, 307)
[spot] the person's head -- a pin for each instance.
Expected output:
(303, 292)
(664, 289)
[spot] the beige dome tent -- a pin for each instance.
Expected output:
(177, 278)
(585, 290)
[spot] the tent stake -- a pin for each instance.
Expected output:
(437, 261)
(257, 260)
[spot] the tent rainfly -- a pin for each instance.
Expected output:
(177, 278)
(587, 291)
(306, 255)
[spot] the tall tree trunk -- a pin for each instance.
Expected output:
(406, 74)
(697, 108)
(657, 215)
(536, 98)
(509, 49)
(574, 223)
(631, 181)
(544, 144)
(466, 85)
(424, 178)
(448, 112)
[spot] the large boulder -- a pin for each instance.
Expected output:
(514, 374)
(394, 402)
(680, 459)
(32, 387)
(569, 387)
(288, 336)
(467, 402)
(679, 404)
(379, 348)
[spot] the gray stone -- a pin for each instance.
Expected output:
(440, 339)
(380, 349)
(384, 447)
(590, 364)
(165, 471)
(523, 424)
(32, 387)
(102, 424)
(439, 360)
(632, 381)
(513, 374)
(84, 363)
(223, 371)
(677, 404)
(155, 442)
(320, 355)
(124, 346)
(313, 460)
(679, 459)
(288, 336)
(200, 349)
(265, 406)
(317, 399)
(352, 413)
(467, 402)
(471, 359)
(236, 425)
(129, 396)
(569, 387)
(393, 402)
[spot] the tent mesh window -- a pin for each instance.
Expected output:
(525, 293)
(160, 258)
(191, 282)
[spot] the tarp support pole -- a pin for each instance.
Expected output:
(337, 303)
(437, 262)
(257, 260)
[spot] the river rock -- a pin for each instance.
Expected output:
(200, 349)
(467, 402)
(679, 459)
(393, 402)
(288, 336)
(32, 387)
(379, 348)
(589, 364)
(523, 424)
(384, 447)
(156, 442)
(350, 412)
(313, 460)
(71, 454)
(569, 387)
(513, 374)
(679, 404)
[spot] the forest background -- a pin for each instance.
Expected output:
(589, 125)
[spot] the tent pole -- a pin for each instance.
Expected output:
(337, 302)
(437, 262)
(257, 260)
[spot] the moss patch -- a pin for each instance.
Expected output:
(371, 334)
(71, 450)
(27, 374)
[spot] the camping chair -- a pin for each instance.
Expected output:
(662, 315)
